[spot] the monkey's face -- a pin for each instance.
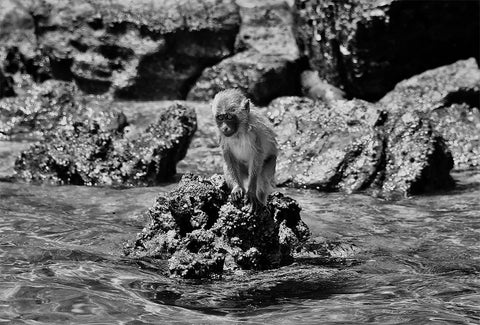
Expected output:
(227, 123)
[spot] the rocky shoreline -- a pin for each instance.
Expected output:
(115, 93)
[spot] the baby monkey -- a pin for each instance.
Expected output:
(248, 145)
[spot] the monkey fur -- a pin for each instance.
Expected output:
(249, 147)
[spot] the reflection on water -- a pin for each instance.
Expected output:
(418, 261)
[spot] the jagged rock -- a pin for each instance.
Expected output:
(90, 142)
(354, 146)
(261, 77)
(135, 49)
(450, 97)
(366, 47)
(268, 64)
(204, 234)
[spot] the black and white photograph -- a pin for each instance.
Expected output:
(303, 162)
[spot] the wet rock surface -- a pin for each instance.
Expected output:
(366, 47)
(354, 146)
(90, 141)
(203, 234)
(450, 97)
(136, 50)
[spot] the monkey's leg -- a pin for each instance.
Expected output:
(266, 181)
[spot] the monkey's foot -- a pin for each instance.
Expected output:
(255, 204)
(237, 194)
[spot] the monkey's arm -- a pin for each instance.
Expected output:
(254, 169)
(232, 169)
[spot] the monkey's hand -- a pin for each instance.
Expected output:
(237, 193)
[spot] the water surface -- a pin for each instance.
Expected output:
(415, 261)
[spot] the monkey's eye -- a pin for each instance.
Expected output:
(228, 117)
(219, 117)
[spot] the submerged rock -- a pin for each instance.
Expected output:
(450, 97)
(202, 233)
(135, 49)
(367, 46)
(84, 145)
(354, 146)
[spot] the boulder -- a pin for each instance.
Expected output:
(268, 63)
(202, 233)
(261, 77)
(450, 97)
(133, 49)
(366, 47)
(90, 141)
(354, 146)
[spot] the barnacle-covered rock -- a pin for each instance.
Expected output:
(450, 97)
(202, 233)
(97, 150)
(354, 146)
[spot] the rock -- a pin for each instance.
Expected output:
(203, 234)
(450, 97)
(17, 28)
(267, 27)
(354, 146)
(39, 108)
(90, 142)
(136, 50)
(261, 77)
(365, 47)
(268, 64)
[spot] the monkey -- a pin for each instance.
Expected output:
(249, 147)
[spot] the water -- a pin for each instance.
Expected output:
(417, 262)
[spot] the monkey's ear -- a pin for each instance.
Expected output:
(246, 104)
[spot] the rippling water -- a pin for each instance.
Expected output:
(417, 262)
